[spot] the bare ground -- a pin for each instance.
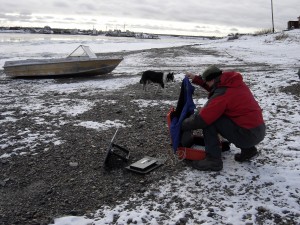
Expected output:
(69, 179)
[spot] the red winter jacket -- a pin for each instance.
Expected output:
(231, 97)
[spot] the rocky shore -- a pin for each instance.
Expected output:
(68, 178)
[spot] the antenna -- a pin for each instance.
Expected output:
(272, 16)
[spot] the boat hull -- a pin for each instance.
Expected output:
(57, 67)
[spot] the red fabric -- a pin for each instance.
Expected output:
(235, 101)
(198, 80)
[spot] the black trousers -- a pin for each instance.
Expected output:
(240, 137)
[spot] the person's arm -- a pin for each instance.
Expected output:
(208, 114)
(190, 75)
(197, 79)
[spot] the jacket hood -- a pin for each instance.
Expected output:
(231, 79)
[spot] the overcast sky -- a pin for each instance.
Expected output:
(190, 17)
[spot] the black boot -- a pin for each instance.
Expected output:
(208, 164)
(246, 154)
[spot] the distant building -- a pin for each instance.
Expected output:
(119, 33)
(46, 30)
(294, 24)
(146, 36)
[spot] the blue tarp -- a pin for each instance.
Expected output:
(187, 90)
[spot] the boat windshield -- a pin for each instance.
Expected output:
(83, 51)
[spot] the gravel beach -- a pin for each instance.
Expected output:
(52, 180)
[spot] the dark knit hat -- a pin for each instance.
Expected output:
(211, 73)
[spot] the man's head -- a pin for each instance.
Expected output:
(211, 73)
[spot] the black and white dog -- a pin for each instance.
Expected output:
(156, 77)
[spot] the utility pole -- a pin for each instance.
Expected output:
(272, 16)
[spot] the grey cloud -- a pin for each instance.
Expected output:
(232, 13)
(60, 4)
(69, 19)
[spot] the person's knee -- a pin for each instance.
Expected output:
(193, 122)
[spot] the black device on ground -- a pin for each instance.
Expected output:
(116, 154)
(115, 151)
(145, 165)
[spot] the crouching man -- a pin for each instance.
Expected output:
(230, 111)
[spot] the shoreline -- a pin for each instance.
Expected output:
(58, 170)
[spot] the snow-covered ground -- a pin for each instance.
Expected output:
(268, 185)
